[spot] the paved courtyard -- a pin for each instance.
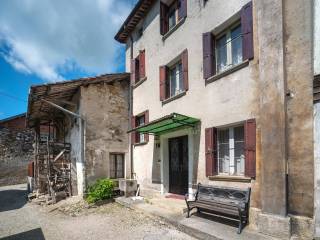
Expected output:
(72, 220)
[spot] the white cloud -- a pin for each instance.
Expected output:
(48, 37)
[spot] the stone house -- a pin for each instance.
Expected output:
(16, 149)
(89, 117)
(222, 94)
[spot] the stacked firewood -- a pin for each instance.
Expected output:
(53, 168)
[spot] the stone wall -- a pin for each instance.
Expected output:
(16, 151)
(105, 109)
(316, 36)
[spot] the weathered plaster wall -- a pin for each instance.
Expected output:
(105, 108)
(231, 99)
(316, 35)
(72, 136)
(74, 139)
(298, 52)
(272, 104)
(317, 166)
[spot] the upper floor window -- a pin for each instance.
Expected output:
(171, 12)
(140, 120)
(174, 77)
(137, 121)
(138, 68)
(175, 85)
(230, 47)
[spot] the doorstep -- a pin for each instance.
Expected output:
(200, 226)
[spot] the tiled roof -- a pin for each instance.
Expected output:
(139, 11)
(63, 92)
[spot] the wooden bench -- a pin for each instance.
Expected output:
(226, 202)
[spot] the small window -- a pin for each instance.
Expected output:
(140, 137)
(116, 165)
(175, 85)
(173, 14)
(137, 70)
(231, 151)
(229, 48)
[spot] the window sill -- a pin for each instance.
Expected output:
(227, 72)
(140, 144)
(229, 178)
(173, 29)
(174, 97)
(141, 80)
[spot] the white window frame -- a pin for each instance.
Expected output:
(227, 33)
(232, 160)
(177, 67)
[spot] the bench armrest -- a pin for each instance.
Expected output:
(186, 196)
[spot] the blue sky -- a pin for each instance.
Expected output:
(49, 41)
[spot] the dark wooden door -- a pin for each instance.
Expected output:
(178, 165)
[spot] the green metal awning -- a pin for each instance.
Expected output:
(166, 124)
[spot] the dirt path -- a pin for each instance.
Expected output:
(71, 220)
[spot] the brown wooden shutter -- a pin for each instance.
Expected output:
(146, 121)
(184, 61)
(31, 169)
(210, 151)
(247, 31)
(164, 24)
(208, 55)
(250, 148)
(142, 64)
(182, 13)
(163, 79)
(133, 134)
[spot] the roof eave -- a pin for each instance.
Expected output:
(143, 5)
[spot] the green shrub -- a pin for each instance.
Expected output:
(100, 190)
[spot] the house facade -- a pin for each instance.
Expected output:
(88, 120)
(222, 94)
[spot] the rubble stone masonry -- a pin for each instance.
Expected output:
(16, 151)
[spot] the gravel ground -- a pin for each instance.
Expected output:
(73, 219)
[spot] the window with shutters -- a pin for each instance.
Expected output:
(140, 120)
(137, 121)
(138, 73)
(231, 153)
(116, 165)
(174, 78)
(171, 14)
(175, 85)
(137, 70)
(228, 48)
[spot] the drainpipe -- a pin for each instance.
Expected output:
(131, 110)
(80, 165)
